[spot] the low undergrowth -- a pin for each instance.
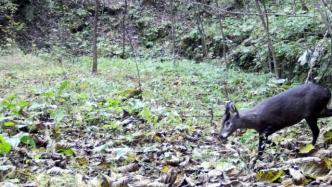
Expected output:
(61, 124)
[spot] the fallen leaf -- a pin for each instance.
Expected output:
(269, 175)
(306, 148)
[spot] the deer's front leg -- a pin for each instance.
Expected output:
(261, 146)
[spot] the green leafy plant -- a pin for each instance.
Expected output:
(28, 140)
(148, 116)
(5, 147)
(67, 152)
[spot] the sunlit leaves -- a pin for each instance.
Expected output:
(113, 103)
(9, 124)
(306, 148)
(22, 139)
(67, 151)
(63, 85)
(148, 116)
(13, 104)
(5, 147)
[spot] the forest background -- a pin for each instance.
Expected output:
(132, 92)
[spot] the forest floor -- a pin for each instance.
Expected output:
(62, 126)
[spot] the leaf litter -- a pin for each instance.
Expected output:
(62, 136)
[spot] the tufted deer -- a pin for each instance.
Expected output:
(308, 101)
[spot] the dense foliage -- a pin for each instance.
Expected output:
(64, 28)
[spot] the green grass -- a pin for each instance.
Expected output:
(188, 88)
(83, 107)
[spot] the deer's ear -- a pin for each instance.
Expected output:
(231, 109)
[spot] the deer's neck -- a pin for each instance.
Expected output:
(249, 120)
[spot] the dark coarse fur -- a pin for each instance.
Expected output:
(308, 101)
(288, 108)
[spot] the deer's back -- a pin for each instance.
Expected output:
(291, 106)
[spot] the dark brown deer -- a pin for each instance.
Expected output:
(308, 101)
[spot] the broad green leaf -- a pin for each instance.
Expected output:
(48, 94)
(16, 140)
(67, 152)
(22, 104)
(28, 140)
(10, 97)
(63, 86)
(112, 103)
(147, 115)
(9, 124)
(306, 148)
(5, 146)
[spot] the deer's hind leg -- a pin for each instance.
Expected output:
(312, 122)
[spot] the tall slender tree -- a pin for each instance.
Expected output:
(224, 44)
(200, 28)
(173, 25)
(94, 38)
(124, 15)
(265, 23)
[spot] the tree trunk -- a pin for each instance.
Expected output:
(200, 28)
(94, 40)
(124, 30)
(294, 7)
(277, 70)
(173, 23)
(224, 54)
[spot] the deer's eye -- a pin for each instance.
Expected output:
(227, 123)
